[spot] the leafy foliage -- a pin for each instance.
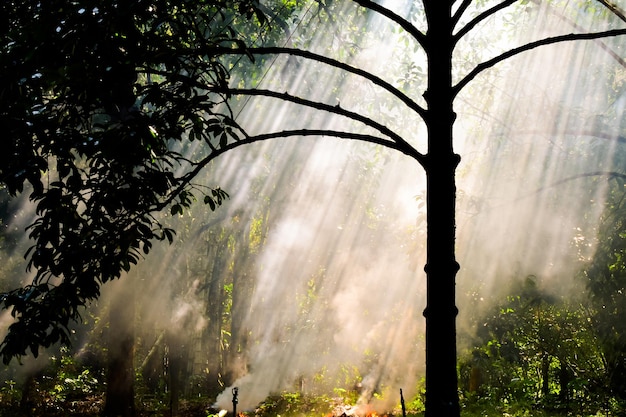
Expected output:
(100, 103)
(536, 352)
(605, 277)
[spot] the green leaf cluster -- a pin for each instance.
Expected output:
(99, 101)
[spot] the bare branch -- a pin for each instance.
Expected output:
(409, 151)
(599, 42)
(336, 109)
(609, 175)
(403, 23)
(186, 179)
(481, 17)
(334, 63)
(532, 45)
(590, 133)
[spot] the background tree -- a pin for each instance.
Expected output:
(95, 96)
(605, 278)
(538, 349)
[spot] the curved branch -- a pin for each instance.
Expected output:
(599, 42)
(328, 133)
(609, 175)
(409, 151)
(403, 23)
(336, 109)
(334, 63)
(529, 46)
(475, 21)
(186, 179)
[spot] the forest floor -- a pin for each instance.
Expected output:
(285, 406)
(92, 407)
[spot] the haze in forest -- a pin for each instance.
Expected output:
(338, 281)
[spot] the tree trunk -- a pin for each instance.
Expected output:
(242, 294)
(212, 337)
(564, 379)
(237, 357)
(120, 395)
(441, 267)
(175, 362)
(545, 375)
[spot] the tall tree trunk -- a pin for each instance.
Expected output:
(213, 338)
(565, 378)
(237, 358)
(545, 375)
(120, 395)
(242, 294)
(441, 267)
(175, 362)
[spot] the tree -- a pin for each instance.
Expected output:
(98, 99)
(96, 214)
(606, 282)
(446, 27)
(120, 394)
(538, 349)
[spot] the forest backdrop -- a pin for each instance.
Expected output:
(306, 279)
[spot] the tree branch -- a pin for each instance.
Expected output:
(484, 15)
(614, 9)
(336, 109)
(403, 23)
(459, 12)
(409, 151)
(186, 179)
(599, 42)
(532, 45)
(591, 133)
(334, 63)
(609, 175)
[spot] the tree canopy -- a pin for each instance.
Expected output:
(99, 100)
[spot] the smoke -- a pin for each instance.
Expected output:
(531, 186)
(527, 204)
(329, 306)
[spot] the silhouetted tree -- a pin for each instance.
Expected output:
(97, 100)
(445, 28)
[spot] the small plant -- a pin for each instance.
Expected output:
(69, 387)
(9, 393)
(294, 404)
(71, 381)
